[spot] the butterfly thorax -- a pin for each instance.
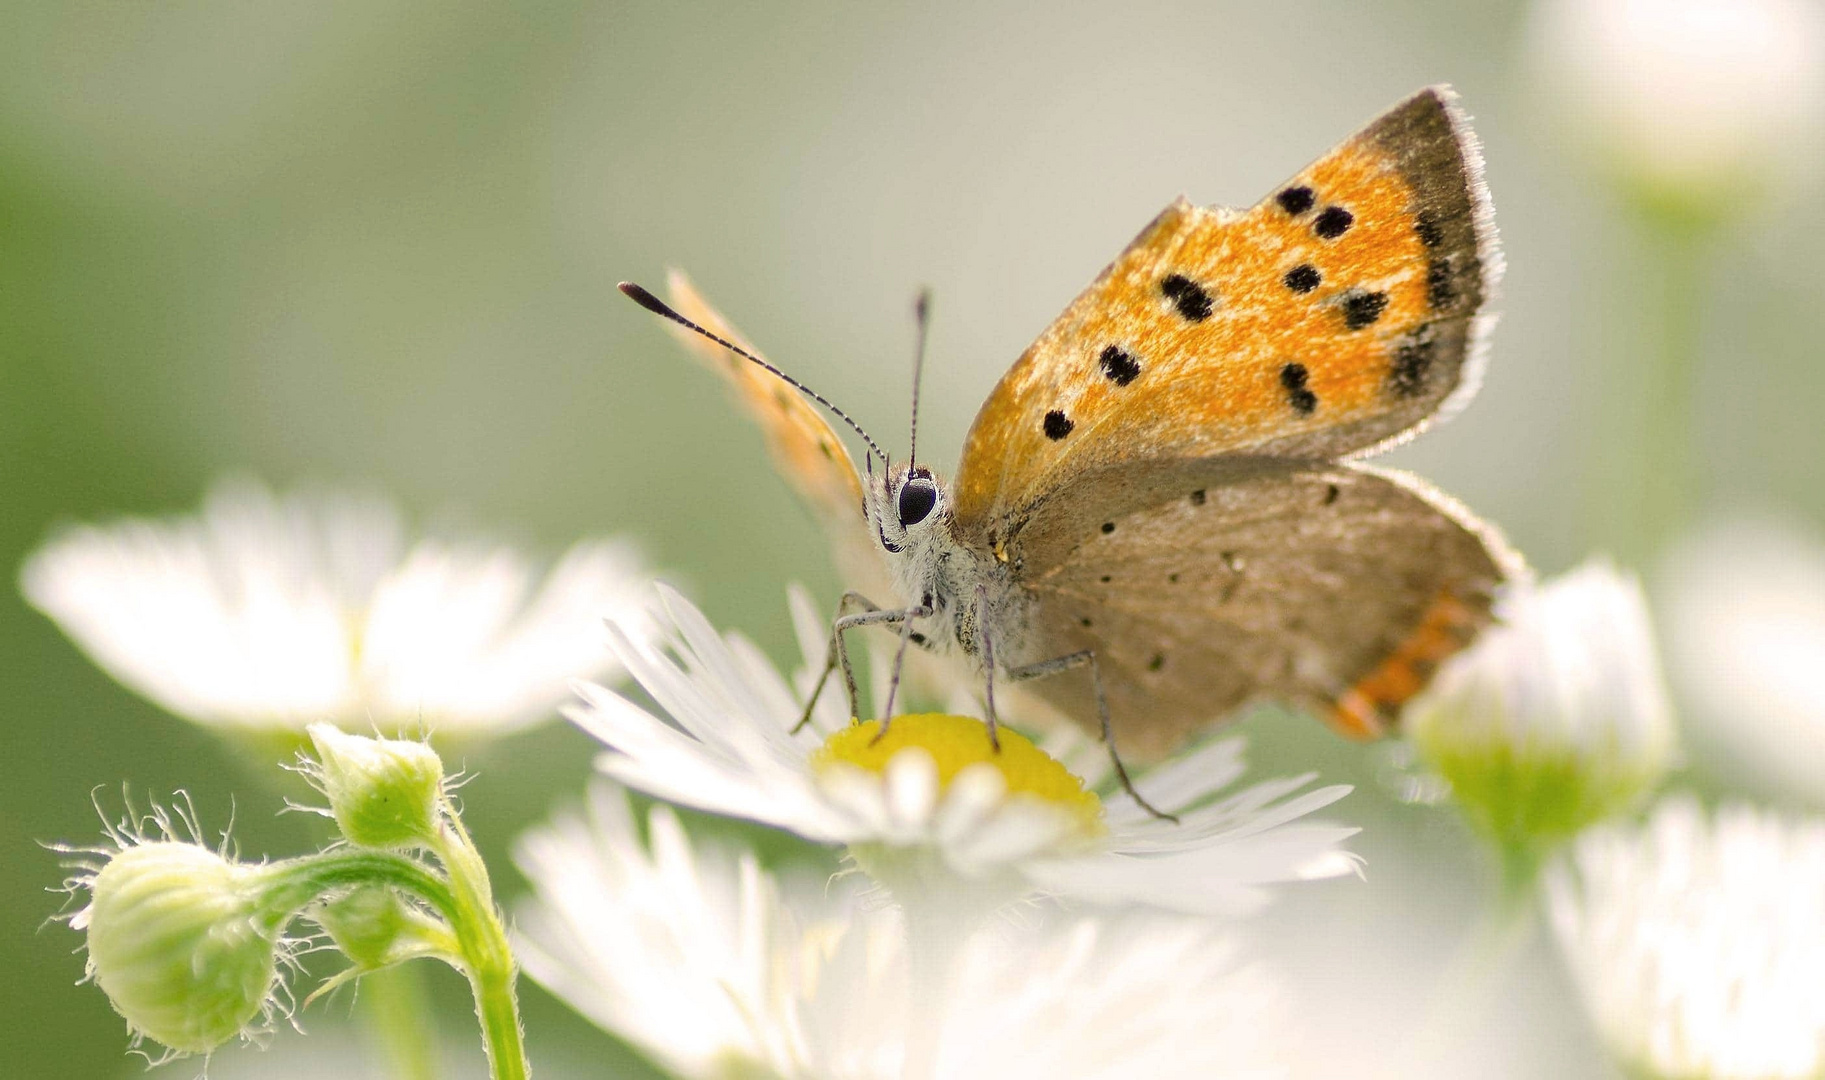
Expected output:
(966, 588)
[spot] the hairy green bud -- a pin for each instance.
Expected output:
(383, 793)
(177, 942)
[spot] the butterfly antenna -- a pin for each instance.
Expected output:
(658, 307)
(922, 314)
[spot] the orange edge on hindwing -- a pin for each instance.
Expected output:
(1369, 709)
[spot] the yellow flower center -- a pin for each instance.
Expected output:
(957, 742)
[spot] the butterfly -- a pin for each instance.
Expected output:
(1160, 515)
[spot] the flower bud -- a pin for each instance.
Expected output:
(1692, 104)
(383, 793)
(375, 928)
(364, 924)
(1745, 619)
(1556, 718)
(176, 942)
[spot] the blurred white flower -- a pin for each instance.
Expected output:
(1008, 823)
(1698, 943)
(674, 950)
(1691, 96)
(1557, 717)
(1745, 617)
(266, 612)
(716, 968)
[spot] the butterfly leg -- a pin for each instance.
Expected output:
(899, 658)
(1087, 658)
(988, 667)
(838, 656)
(832, 656)
(869, 618)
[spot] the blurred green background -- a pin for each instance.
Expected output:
(377, 242)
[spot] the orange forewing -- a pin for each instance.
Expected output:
(804, 448)
(1252, 332)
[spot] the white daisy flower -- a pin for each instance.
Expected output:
(1698, 942)
(1705, 98)
(715, 968)
(934, 796)
(1557, 717)
(1745, 612)
(269, 613)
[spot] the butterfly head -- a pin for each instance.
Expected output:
(917, 498)
(905, 505)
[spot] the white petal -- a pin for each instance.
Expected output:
(731, 752)
(270, 612)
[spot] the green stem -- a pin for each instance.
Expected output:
(396, 1007)
(1672, 415)
(464, 899)
(1647, 426)
(498, 1008)
(1519, 869)
(487, 956)
(296, 882)
(401, 1019)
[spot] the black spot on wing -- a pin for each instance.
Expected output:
(1295, 200)
(1361, 309)
(1441, 292)
(1333, 222)
(1293, 378)
(1426, 227)
(1119, 365)
(1302, 278)
(1192, 300)
(1057, 425)
(1412, 366)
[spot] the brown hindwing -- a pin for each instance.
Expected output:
(1206, 586)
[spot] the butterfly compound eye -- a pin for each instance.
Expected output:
(916, 500)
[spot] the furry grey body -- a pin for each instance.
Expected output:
(968, 590)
